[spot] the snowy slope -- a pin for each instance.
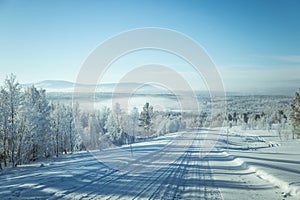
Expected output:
(193, 164)
(272, 159)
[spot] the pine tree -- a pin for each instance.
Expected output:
(295, 115)
(146, 117)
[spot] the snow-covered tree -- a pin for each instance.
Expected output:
(102, 117)
(173, 125)
(57, 127)
(31, 128)
(77, 128)
(168, 124)
(295, 115)
(72, 137)
(134, 119)
(36, 111)
(159, 123)
(113, 130)
(130, 124)
(93, 131)
(4, 110)
(146, 117)
(13, 93)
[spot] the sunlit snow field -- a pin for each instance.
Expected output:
(253, 164)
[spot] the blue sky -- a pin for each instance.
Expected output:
(254, 43)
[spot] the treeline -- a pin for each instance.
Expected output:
(277, 120)
(114, 127)
(253, 120)
(32, 128)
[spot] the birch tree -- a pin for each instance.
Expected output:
(12, 91)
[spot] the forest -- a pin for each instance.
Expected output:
(32, 127)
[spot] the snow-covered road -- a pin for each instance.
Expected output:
(177, 166)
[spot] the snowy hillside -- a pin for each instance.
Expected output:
(193, 164)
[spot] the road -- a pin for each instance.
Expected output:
(187, 166)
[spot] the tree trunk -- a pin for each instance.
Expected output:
(71, 138)
(293, 131)
(13, 154)
(57, 144)
(4, 151)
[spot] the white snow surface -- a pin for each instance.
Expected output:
(192, 164)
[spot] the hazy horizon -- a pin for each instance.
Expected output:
(58, 86)
(254, 44)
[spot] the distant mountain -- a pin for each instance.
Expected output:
(67, 86)
(131, 87)
(54, 84)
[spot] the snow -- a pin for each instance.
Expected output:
(278, 164)
(191, 164)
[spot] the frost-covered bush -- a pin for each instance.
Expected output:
(168, 125)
